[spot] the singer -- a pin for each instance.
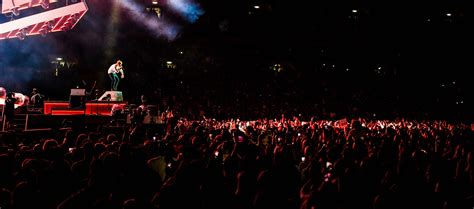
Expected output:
(113, 72)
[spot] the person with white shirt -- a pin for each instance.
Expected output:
(113, 72)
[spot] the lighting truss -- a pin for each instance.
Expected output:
(55, 20)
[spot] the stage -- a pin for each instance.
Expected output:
(102, 108)
(75, 113)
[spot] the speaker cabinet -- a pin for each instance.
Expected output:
(77, 98)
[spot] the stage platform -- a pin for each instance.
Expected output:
(103, 108)
(58, 115)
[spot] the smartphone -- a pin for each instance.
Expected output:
(328, 164)
(216, 153)
(299, 134)
(154, 138)
(303, 159)
(169, 165)
(71, 150)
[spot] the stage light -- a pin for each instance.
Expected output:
(156, 10)
(277, 67)
(48, 25)
(354, 11)
(256, 7)
(347, 69)
(15, 11)
(46, 28)
(59, 58)
(43, 33)
(170, 65)
(448, 14)
(154, 2)
(44, 4)
(454, 82)
(21, 34)
(181, 52)
(380, 68)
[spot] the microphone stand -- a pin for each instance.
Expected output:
(3, 116)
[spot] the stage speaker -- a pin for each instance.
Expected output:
(77, 98)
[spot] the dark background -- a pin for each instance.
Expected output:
(230, 52)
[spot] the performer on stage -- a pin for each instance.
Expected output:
(113, 71)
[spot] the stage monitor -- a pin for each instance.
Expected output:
(78, 92)
(77, 98)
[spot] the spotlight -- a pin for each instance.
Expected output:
(72, 19)
(21, 34)
(256, 7)
(43, 32)
(354, 11)
(15, 11)
(49, 25)
(154, 2)
(64, 28)
(46, 28)
(44, 4)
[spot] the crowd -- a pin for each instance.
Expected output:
(267, 163)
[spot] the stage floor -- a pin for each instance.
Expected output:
(91, 108)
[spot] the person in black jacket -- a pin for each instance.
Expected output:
(9, 109)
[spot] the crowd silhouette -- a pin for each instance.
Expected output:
(278, 163)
